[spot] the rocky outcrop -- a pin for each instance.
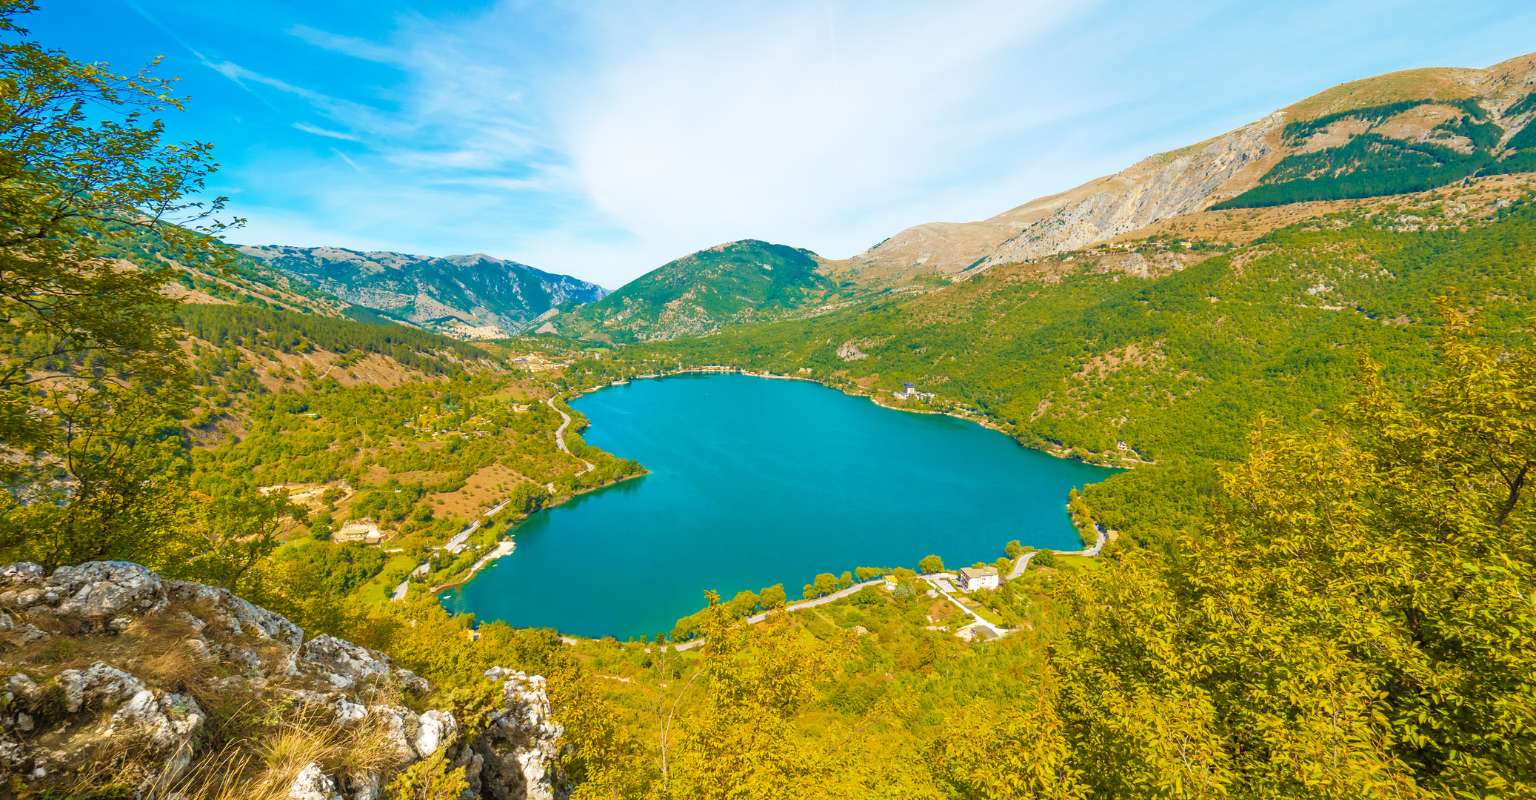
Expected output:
(1158, 188)
(519, 744)
(1154, 189)
(111, 676)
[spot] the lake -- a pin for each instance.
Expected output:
(755, 482)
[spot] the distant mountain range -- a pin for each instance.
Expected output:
(1391, 134)
(468, 297)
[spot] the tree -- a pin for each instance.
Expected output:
(1044, 558)
(744, 603)
(930, 564)
(1020, 751)
(227, 535)
(741, 743)
(1013, 548)
(89, 345)
(825, 584)
(845, 580)
(773, 597)
(1354, 622)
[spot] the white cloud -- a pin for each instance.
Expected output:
(794, 124)
(346, 159)
(603, 139)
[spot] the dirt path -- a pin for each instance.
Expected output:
(941, 583)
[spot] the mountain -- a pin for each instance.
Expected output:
(1392, 134)
(469, 297)
(731, 283)
(1400, 132)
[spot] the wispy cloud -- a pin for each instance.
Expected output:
(792, 122)
(326, 133)
(500, 183)
(346, 45)
(346, 159)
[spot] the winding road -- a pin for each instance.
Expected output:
(1019, 566)
(565, 422)
(457, 544)
(1023, 560)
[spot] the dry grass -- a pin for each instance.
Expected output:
(265, 759)
(483, 489)
(253, 743)
(1435, 83)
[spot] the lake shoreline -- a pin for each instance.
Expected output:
(1065, 453)
(1034, 498)
(510, 540)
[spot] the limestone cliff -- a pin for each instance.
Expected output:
(116, 682)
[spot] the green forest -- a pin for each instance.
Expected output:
(1371, 165)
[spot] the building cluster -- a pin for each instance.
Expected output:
(910, 392)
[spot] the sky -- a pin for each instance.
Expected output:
(603, 139)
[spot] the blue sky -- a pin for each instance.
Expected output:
(603, 139)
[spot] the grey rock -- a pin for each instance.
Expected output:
(519, 745)
(434, 729)
(313, 784)
(74, 711)
(99, 686)
(343, 663)
(106, 593)
(237, 615)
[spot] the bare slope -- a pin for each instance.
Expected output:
(1404, 131)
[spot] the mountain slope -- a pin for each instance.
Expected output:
(470, 297)
(1165, 348)
(1400, 132)
(730, 283)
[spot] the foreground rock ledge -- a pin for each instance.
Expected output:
(106, 668)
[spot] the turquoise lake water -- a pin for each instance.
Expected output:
(755, 482)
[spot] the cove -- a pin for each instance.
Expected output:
(755, 482)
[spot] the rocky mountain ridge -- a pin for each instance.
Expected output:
(114, 679)
(1442, 124)
(467, 296)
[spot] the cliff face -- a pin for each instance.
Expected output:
(114, 680)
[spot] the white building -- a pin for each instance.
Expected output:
(973, 578)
